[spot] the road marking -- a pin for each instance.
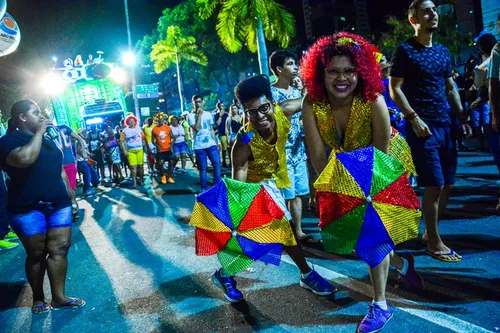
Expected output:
(423, 311)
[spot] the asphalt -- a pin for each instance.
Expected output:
(132, 259)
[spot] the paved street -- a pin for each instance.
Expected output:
(132, 259)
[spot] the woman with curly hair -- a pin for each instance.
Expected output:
(345, 111)
(132, 140)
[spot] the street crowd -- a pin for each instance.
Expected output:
(345, 96)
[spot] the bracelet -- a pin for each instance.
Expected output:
(413, 115)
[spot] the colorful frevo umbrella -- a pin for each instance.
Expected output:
(240, 222)
(366, 204)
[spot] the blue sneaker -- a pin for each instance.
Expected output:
(228, 284)
(317, 284)
(375, 319)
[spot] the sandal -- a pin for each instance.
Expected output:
(445, 257)
(308, 240)
(74, 303)
(42, 308)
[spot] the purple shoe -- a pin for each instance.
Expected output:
(375, 319)
(412, 279)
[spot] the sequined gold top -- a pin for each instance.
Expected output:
(269, 161)
(358, 133)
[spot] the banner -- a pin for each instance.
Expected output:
(10, 36)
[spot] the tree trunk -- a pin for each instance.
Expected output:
(261, 49)
(179, 80)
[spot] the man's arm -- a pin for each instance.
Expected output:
(495, 103)
(399, 98)
(317, 148)
(456, 106)
(197, 125)
(454, 98)
(239, 156)
(291, 106)
(80, 141)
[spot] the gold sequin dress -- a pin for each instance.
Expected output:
(269, 160)
(358, 133)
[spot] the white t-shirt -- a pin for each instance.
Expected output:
(494, 68)
(203, 138)
(178, 132)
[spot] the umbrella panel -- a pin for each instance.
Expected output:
(240, 196)
(359, 163)
(342, 235)
(232, 258)
(209, 243)
(374, 243)
(216, 201)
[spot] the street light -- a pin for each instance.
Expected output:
(128, 59)
(134, 88)
(54, 59)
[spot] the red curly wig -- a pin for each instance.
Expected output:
(361, 53)
(131, 117)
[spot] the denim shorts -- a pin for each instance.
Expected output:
(435, 157)
(180, 148)
(40, 219)
(481, 115)
(299, 179)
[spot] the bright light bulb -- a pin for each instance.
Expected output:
(118, 75)
(53, 84)
(128, 59)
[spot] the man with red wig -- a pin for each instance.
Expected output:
(421, 84)
(345, 111)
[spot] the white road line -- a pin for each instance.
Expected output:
(424, 312)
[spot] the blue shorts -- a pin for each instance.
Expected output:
(299, 179)
(181, 148)
(39, 220)
(481, 115)
(435, 157)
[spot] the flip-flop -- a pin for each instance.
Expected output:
(309, 240)
(74, 303)
(42, 308)
(443, 256)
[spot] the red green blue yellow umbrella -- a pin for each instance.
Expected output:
(366, 204)
(241, 223)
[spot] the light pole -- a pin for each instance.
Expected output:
(134, 88)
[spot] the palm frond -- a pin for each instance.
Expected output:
(175, 47)
(229, 27)
(278, 24)
(206, 8)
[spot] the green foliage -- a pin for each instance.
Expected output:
(223, 69)
(237, 22)
(174, 49)
(448, 35)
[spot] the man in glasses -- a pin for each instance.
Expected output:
(259, 156)
(204, 143)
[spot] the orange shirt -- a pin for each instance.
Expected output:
(163, 137)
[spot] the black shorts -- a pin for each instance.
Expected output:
(98, 157)
(164, 156)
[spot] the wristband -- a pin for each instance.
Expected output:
(413, 115)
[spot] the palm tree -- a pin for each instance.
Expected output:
(250, 22)
(174, 49)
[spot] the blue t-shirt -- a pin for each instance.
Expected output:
(64, 143)
(424, 70)
(40, 182)
(295, 149)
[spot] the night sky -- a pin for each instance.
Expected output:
(65, 28)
